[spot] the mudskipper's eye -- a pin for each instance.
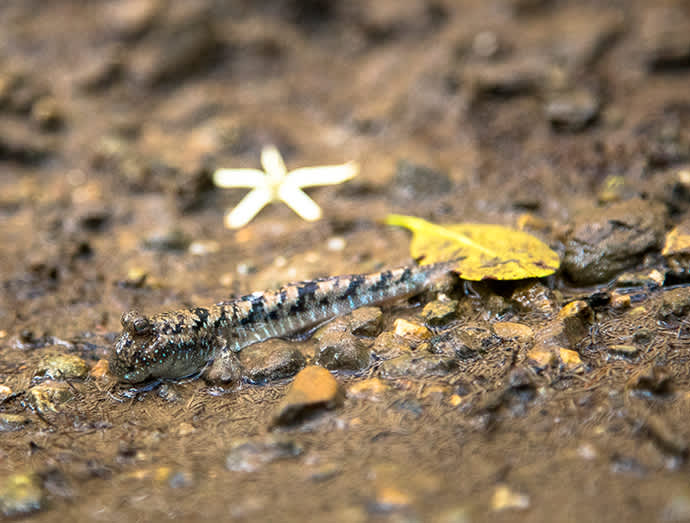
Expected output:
(136, 323)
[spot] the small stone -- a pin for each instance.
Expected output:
(608, 240)
(436, 391)
(572, 111)
(675, 303)
(464, 342)
(577, 316)
(48, 395)
(620, 301)
(541, 356)
(677, 247)
(534, 298)
(509, 330)
(646, 278)
(271, 360)
(372, 389)
(313, 389)
(171, 240)
(135, 279)
(638, 312)
(411, 332)
(505, 498)
(397, 486)
(11, 422)
(99, 370)
(5, 392)
(58, 366)
(643, 336)
(342, 351)
(417, 366)
(158, 475)
(571, 360)
(497, 306)
(455, 400)
(251, 455)
(366, 321)
(624, 350)
(168, 392)
(390, 499)
(21, 494)
(388, 345)
(185, 429)
(438, 313)
(226, 368)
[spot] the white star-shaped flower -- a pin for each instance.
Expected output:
(275, 183)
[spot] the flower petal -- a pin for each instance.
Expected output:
(248, 207)
(299, 202)
(228, 178)
(272, 162)
(323, 175)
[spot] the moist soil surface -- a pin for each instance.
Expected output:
(570, 120)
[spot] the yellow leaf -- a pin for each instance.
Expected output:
(482, 251)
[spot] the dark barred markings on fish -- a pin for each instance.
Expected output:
(181, 343)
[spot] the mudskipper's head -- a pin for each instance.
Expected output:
(129, 360)
(168, 345)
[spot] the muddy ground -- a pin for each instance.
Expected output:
(568, 119)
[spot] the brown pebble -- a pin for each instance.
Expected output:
(48, 395)
(372, 389)
(62, 366)
(184, 429)
(511, 330)
(99, 370)
(577, 317)
(625, 350)
(5, 392)
(411, 331)
(21, 494)
(620, 301)
(436, 391)
(455, 400)
(542, 356)
(389, 498)
(314, 388)
(506, 498)
(570, 360)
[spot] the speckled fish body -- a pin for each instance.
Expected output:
(180, 343)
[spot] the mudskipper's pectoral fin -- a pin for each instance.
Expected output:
(226, 367)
